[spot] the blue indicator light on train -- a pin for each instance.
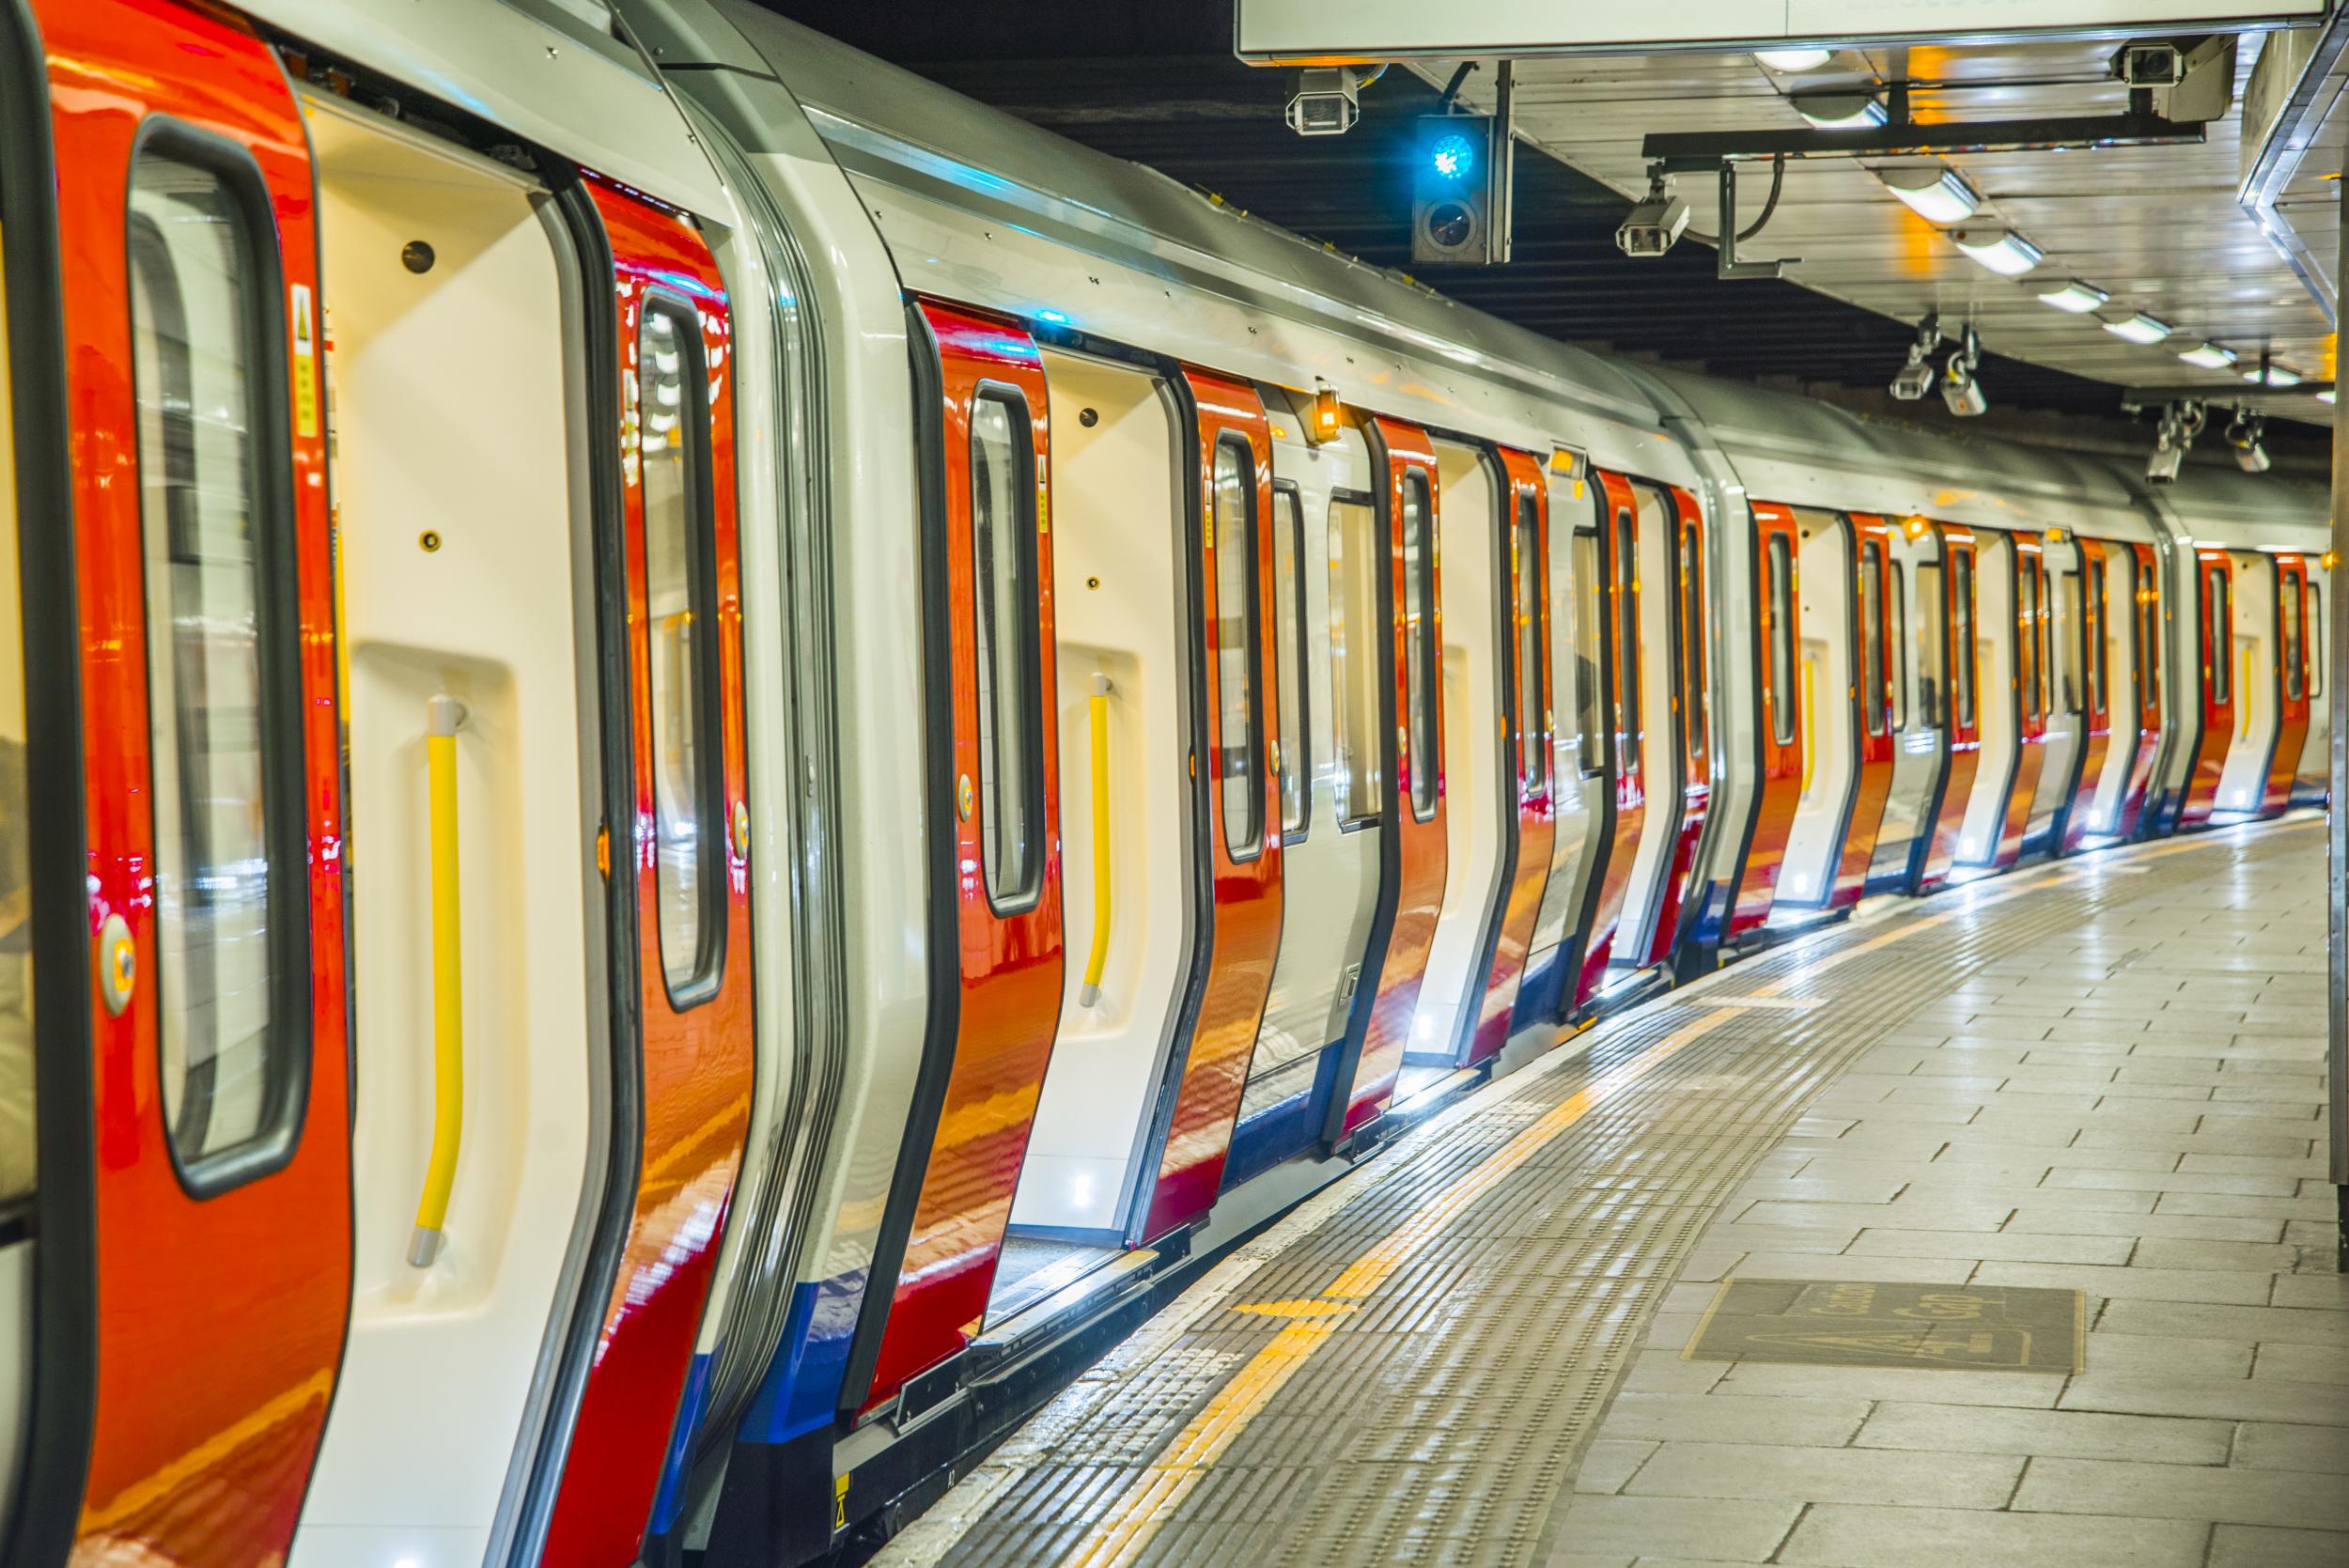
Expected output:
(1058, 318)
(1453, 156)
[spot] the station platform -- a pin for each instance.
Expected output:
(1992, 1228)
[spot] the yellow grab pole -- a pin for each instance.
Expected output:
(444, 715)
(1090, 994)
(2243, 724)
(1810, 717)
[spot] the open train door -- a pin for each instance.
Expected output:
(185, 832)
(1778, 641)
(1692, 705)
(1962, 680)
(2214, 648)
(1873, 669)
(2033, 695)
(2093, 645)
(993, 858)
(2291, 682)
(1412, 856)
(1619, 610)
(2145, 665)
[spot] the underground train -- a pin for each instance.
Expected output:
(812, 739)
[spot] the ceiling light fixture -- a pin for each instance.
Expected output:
(1794, 62)
(2004, 251)
(2137, 327)
(1838, 111)
(2209, 356)
(2272, 375)
(2325, 395)
(2074, 297)
(1934, 192)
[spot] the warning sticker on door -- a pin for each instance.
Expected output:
(1851, 1323)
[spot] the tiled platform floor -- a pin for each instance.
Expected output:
(2103, 1076)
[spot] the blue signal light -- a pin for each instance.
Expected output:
(1452, 156)
(1058, 318)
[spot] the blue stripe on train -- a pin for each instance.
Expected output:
(688, 1417)
(801, 1388)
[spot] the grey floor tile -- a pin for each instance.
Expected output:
(1681, 1527)
(2132, 1282)
(1845, 1265)
(2311, 1290)
(2075, 1433)
(2262, 1546)
(1608, 1463)
(2280, 1446)
(2175, 1181)
(2006, 1246)
(2250, 1257)
(2252, 1206)
(2033, 1221)
(1932, 1213)
(1752, 1382)
(2199, 1492)
(1659, 1370)
(2163, 1355)
(1781, 1238)
(2252, 1165)
(1834, 1535)
(1711, 1418)
(2298, 1325)
(2203, 1398)
(2220, 1141)
(2305, 1363)
(1945, 1480)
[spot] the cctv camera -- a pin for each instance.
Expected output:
(1914, 379)
(2150, 64)
(1652, 226)
(1960, 390)
(1326, 101)
(2162, 467)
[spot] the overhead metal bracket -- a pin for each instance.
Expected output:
(1726, 262)
(1691, 151)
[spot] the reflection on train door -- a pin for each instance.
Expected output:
(1412, 870)
(2034, 692)
(2292, 681)
(2213, 644)
(2093, 658)
(1620, 609)
(184, 1380)
(1693, 705)
(1778, 639)
(2145, 634)
(1233, 514)
(1963, 681)
(1525, 655)
(995, 927)
(686, 848)
(1872, 584)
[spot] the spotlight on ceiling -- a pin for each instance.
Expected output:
(2209, 356)
(2137, 327)
(1915, 379)
(2325, 396)
(1934, 192)
(2243, 433)
(1655, 222)
(2004, 251)
(1961, 388)
(2075, 298)
(2267, 373)
(2179, 424)
(1839, 110)
(1793, 62)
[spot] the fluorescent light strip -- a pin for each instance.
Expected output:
(1794, 62)
(2004, 251)
(2139, 327)
(2276, 376)
(2074, 297)
(1838, 111)
(1938, 195)
(2209, 356)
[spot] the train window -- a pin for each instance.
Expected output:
(1962, 651)
(1589, 721)
(1782, 700)
(2027, 606)
(1532, 649)
(1896, 640)
(1011, 744)
(2295, 656)
(2316, 641)
(2093, 634)
(2043, 597)
(1692, 635)
(1931, 670)
(1419, 634)
(2218, 635)
(680, 628)
(17, 1166)
(1234, 543)
(1628, 716)
(1294, 750)
(1872, 635)
(222, 646)
(1355, 562)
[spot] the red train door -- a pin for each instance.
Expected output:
(181, 1395)
(1778, 641)
(1692, 705)
(2145, 648)
(1526, 582)
(2213, 642)
(686, 852)
(996, 960)
(1414, 867)
(1234, 534)
(1871, 582)
(1964, 685)
(2291, 682)
(2094, 650)
(2034, 693)
(1618, 555)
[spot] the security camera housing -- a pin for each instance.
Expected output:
(1963, 393)
(1913, 381)
(2162, 467)
(1652, 227)
(1326, 101)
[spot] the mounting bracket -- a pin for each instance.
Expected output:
(1725, 252)
(1692, 151)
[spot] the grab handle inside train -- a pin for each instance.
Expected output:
(1098, 709)
(444, 716)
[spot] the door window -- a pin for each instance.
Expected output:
(1872, 636)
(1962, 652)
(222, 656)
(2148, 637)
(1898, 639)
(1234, 546)
(1532, 668)
(1355, 561)
(2093, 629)
(17, 1168)
(1002, 552)
(680, 630)
(1418, 632)
(2218, 635)
(2316, 641)
(2295, 683)
(1627, 711)
(1931, 675)
(2027, 605)
(1692, 635)
(1782, 701)
(1589, 702)
(1293, 748)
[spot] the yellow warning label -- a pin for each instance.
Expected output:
(840, 1502)
(305, 363)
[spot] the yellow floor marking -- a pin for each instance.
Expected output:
(1119, 1535)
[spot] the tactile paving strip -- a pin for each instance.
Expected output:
(1438, 1414)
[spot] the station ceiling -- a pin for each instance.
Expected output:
(1160, 86)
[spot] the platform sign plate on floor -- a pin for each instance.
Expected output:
(1851, 1323)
